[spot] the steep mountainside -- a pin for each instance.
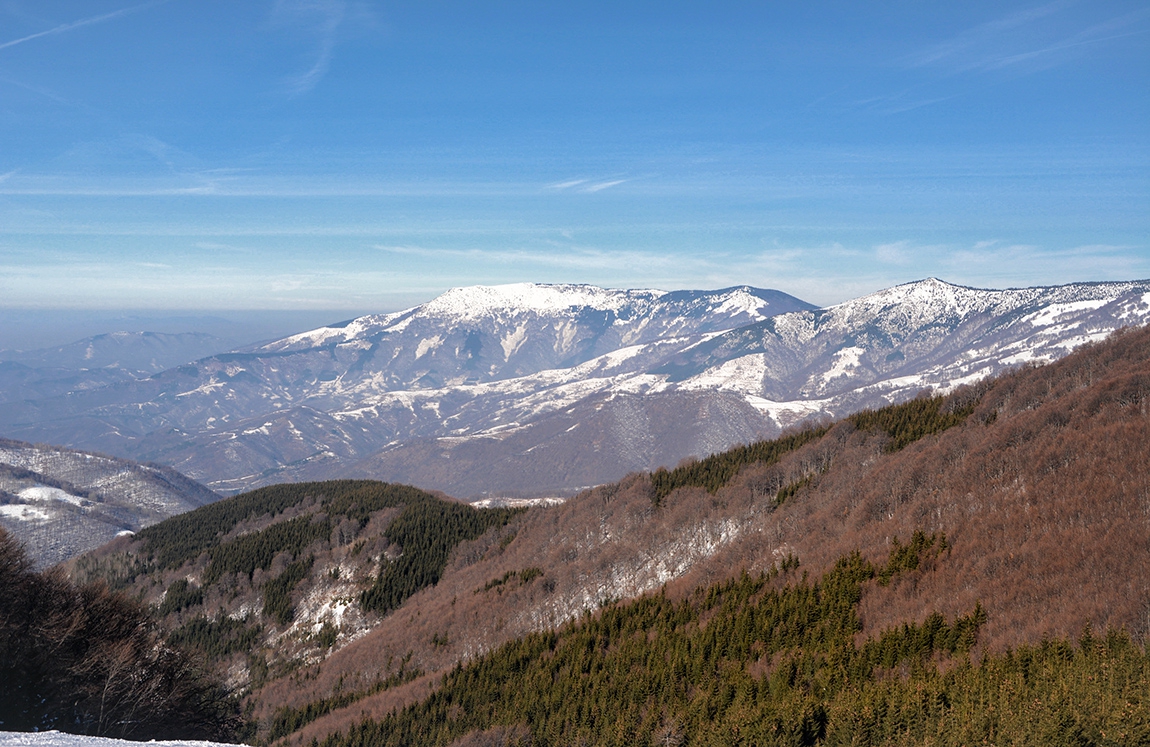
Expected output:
(643, 406)
(1033, 490)
(550, 388)
(60, 502)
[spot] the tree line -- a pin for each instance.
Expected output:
(904, 423)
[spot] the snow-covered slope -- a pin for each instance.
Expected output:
(483, 333)
(60, 502)
(923, 334)
(60, 739)
(548, 387)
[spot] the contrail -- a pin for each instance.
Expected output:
(82, 22)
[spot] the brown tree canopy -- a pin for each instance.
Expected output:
(82, 659)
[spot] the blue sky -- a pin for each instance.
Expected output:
(366, 156)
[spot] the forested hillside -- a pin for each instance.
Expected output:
(908, 570)
(264, 583)
(775, 660)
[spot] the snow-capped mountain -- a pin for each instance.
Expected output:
(923, 334)
(485, 333)
(61, 502)
(551, 387)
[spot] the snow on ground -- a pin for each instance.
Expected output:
(24, 513)
(845, 362)
(45, 493)
(60, 739)
(743, 302)
(787, 413)
(1048, 315)
(744, 375)
(517, 502)
(482, 300)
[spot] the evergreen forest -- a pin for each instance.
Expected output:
(775, 659)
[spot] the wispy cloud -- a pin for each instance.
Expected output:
(587, 186)
(605, 185)
(215, 246)
(571, 257)
(899, 102)
(998, 264)
(567, 184)
(916, 104)
(37, 90)
(331, 14)
(907, 253)
(1034, 36)
(983, 34)
(1084, 257)
(897, 253)
(1097, 34)
(72, 25)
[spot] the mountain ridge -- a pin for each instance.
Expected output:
(501, 370)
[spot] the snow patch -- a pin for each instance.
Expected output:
(743, 375)
(205, 389)
(60, 739)
(1074, 342)
(44, 493)
(845, 361)
(428, 344)
(517, 502)
(512, 342)
(787, 413)
(742, 302)
(1051, 313)
(1023, 356)
(25, 513)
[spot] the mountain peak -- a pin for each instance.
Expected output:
(921, 295)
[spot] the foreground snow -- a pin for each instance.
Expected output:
(60, 739)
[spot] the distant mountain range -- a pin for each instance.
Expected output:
(98, 361)
(529, 389)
